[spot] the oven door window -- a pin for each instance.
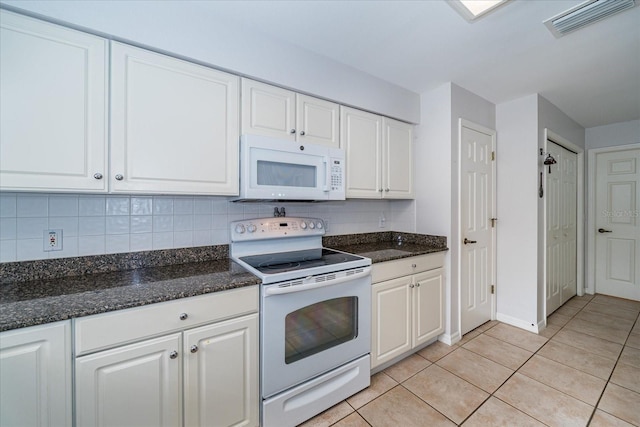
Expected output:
(320, 326)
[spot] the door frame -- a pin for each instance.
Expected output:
(456, 245)
(580, 248)
(590, 285)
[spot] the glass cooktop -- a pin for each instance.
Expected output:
(297, 260)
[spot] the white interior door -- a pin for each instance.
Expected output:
(561, 233)
(477, 204)
(617, 228)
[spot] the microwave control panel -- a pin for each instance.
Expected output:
(337, 175)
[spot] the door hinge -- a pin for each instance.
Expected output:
(493, 155)
(493, 289)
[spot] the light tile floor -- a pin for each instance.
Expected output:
(583, 369)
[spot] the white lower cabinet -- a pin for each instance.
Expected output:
(203, 374)
(133, 385)
(408, 305)
(35, 376)
(220, 366)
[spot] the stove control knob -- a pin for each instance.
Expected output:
(312, 225)
(239, 228)
(252, 228)
(319, 225)
(303, 225)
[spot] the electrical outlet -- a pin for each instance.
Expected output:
(53, 240)
(382, 221)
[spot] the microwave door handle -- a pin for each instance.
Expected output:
(327, 174)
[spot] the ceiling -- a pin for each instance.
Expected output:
(593, 74)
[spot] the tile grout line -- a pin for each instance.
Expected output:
(492, 394)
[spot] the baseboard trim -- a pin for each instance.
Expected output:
(450, 339)
(519, 323)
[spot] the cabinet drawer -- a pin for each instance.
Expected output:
(106, 330)
(405, 266)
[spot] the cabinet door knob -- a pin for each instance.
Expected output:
(194, 348)
(292, 131)
(183, 316)
(417, 285)
(119, 177)
(413, 266)
(97, 175)
(387, 190)
(412, 285)
(302, 133)
(173, 354)
(380, 190)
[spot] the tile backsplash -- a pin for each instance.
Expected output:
(96, 224)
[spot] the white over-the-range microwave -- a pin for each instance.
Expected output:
(273, 169)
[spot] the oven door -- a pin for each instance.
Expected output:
(307, 330)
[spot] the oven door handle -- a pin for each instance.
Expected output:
(305, 287)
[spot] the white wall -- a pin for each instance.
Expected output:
(97, 224)
(433, 181)
(186, 31)
(521, 134)
(436, 166)
(517, 234)
(611, 135)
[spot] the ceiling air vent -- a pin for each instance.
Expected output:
(584, 14)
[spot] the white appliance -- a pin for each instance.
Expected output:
(273, 169)
(315, 316)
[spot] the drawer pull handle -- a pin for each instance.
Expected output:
(183, 316)
(194, 348)
(173, 355)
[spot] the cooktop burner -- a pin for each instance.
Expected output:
(297, 260)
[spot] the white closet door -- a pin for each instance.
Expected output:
(617, 224)
(561, 249)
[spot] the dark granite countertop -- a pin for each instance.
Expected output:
(44, 291)
(48, 300)
(381, 247)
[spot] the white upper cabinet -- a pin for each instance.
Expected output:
(378, 154)
(174, 125)
(276, 112)
(361, 138)
(53, 104)
(397, 159)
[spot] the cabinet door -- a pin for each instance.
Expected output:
(361, 138)
(132, 385)
(174, 125)
(221, 374)
(53, 99)
(318, 121)
(268, 110)
(35, 368)
(391, 324)
(397, 166)
(428, 306)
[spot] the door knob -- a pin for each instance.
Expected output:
(602, 230)
(467, 241)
